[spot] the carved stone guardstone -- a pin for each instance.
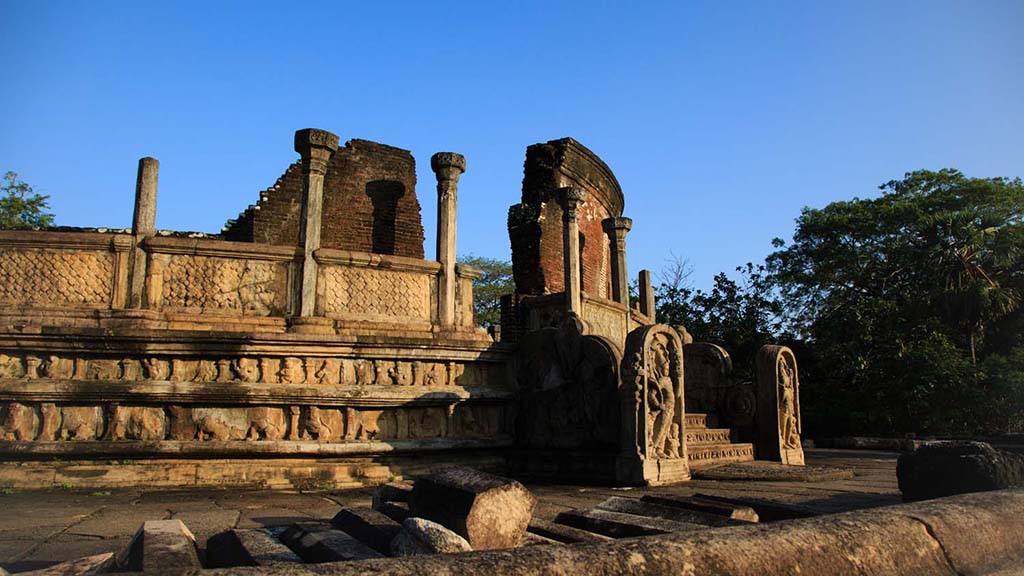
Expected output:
(778, 406)
(653, 408)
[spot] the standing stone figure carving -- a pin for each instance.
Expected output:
(652, 402)
(778, 406)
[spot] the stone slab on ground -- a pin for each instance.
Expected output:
(489, 511)
(946, 468)
(772, 472)
(248, 547)
(654, 510)
(369, 526)
(161, 547)
(563, 533)
(391, 492)
(768, 511)
(621, 525)
(420, 536)
(732, 511)
(98, 564)
(321, 543)
(531, 539)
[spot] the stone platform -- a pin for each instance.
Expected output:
(41, 528)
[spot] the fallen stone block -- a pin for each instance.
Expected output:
(531, 539)
(397, 511)
(939, 469)
(391, 492)
(563, 533)
(255, 547)
(162, 547)
(489, 511)
(320, 543)
(620, 525)
(651, 510)
(98, 564)
(419, 536)
(767, 510)
(369, 526)
(724, 509)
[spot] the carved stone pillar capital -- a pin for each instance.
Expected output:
(617, 227)
(448, 166)
(570, 197)
(316, 148)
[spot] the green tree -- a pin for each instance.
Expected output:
(495, 282)
(20, 206)
(912, 303)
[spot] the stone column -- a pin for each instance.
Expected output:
(616, 229)
(447, 166)
(646, 294)
(570, 198)
(143, 226)
(316, 148)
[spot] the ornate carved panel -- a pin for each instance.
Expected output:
(353, 291)
(43, 276)
(247, 287)
(653, 408)
(778, 406)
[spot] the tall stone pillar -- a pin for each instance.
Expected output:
(316, 148)
(447, 166)
(570, 198)
(646, 294)
(616, 228)
(143, 226)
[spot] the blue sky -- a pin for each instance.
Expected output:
(721, 120)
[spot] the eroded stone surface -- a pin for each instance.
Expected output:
(369, 526)
(161, 547)
(420, 536)
(939, 469)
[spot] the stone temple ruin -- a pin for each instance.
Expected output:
(312, 344)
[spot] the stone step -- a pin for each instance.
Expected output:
(695, 420)
(656, 510)
(696, 436)
(703, 455)
(621, 525)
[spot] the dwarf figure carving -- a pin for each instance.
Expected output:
(292, 371)
(247, 369)
(156, 369)
(58, 368)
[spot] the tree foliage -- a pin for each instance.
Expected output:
(495, 282)
(20, 206)
(907, 308)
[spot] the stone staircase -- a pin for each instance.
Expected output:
(712, 446)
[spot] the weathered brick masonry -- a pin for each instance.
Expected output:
(370, 204)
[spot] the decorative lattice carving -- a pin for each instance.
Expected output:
(55, 276)
(250, 287)
(364, 291)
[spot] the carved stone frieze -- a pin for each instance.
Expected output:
(116, 422)
(331, 371)
(778, 406)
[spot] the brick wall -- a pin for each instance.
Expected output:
(535, 225)
(370, 204)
